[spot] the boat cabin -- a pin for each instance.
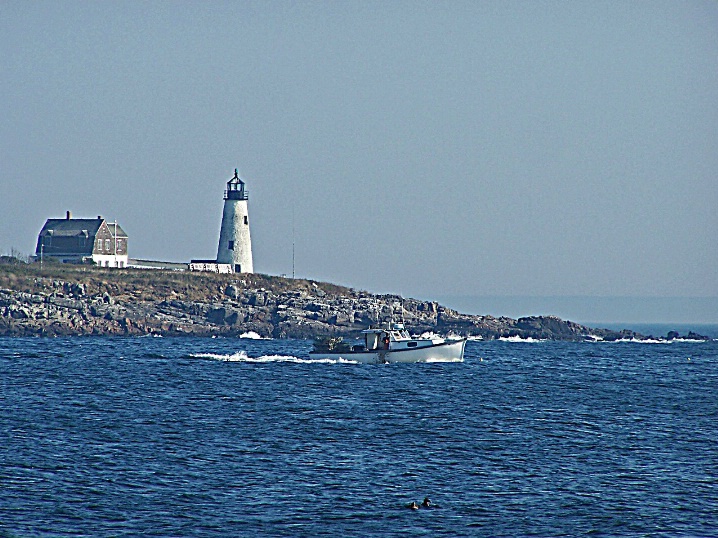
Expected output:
(395, 337)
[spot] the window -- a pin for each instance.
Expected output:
(231, 245)
(107, 244)
(411, 344)
(246, 219)
(99, 244)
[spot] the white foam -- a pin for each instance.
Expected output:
(662, 341)
(528, 340)
(236, 357)
(243, 357)
(251, 335)
(637, 341)
(430, 335)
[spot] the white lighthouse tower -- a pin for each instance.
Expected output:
(235, 245)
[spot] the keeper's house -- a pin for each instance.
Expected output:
(71, 240)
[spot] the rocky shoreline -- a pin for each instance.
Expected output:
(91, 301)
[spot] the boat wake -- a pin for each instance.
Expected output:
(243, 357)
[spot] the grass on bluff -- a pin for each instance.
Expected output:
(149, 285)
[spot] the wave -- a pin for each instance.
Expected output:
(528, 340)
(243, 357)
(653, 341)
(251, 335)
(429, 334)
(639, 341)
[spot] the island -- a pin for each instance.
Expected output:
(76, 300)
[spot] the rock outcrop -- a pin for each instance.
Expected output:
(74, 301)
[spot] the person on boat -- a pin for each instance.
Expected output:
(386, 342)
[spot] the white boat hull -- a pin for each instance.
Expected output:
(449, 351)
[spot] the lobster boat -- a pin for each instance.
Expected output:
(393, 344)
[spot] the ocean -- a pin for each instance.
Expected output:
(239, 437)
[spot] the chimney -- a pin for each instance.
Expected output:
(99, 217)
(69, 215)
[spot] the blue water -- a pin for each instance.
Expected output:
(212, 437)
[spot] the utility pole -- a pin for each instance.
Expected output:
(292, 242)
(115, 242)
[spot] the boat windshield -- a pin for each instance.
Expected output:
(400, 335)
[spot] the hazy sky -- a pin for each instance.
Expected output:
(424, 148)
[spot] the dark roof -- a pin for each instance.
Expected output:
(68, 228)
(235, 188)
(78, 227)
(71, 227)
(235, 180)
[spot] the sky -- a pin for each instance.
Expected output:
(431, 149)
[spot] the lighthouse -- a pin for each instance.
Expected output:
(235, 245)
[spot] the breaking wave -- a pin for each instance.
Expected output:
(653, 341)
(528, 340)
(638, 341)
(251, 335)
(429, 334)
(243, 357)
(598, 339)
